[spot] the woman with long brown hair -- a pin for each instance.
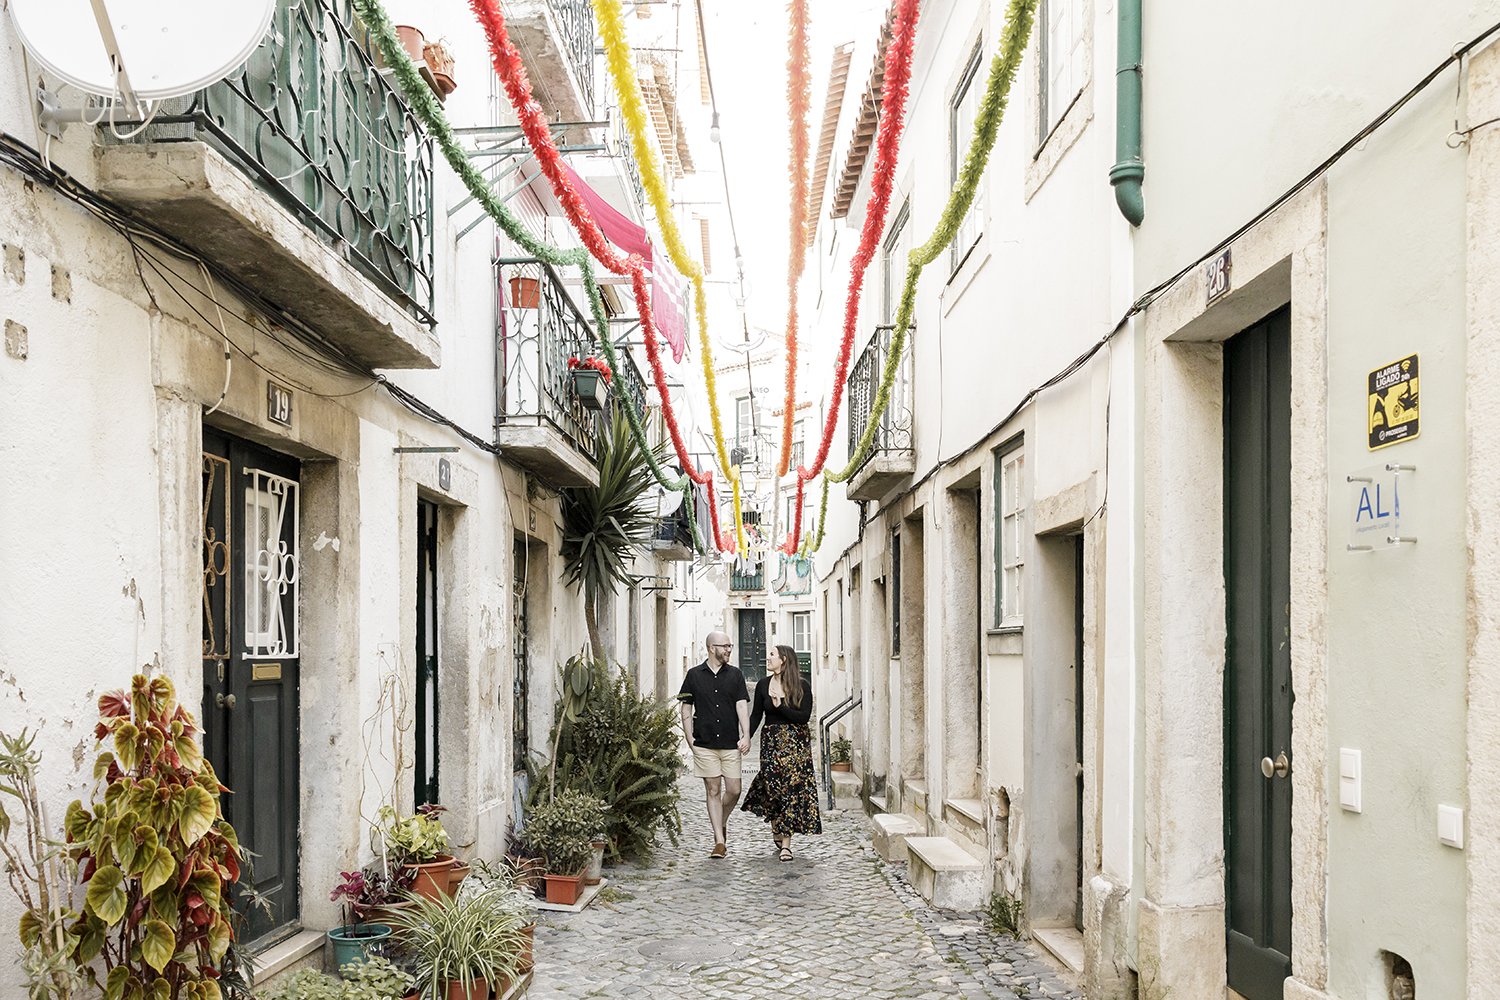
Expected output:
(785, 791)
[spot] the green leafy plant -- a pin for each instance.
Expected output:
(411, 840)
(841, 751)
(562, 830)
(512, 880)
(375, 979)
(622, 748)
(157, 855)
(1004, 914)
(41, 874)
(604, 526)
(462, 940)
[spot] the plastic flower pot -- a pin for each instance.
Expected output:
(590, 386)
(478, 990)
(525, 293)
(353, 944)
(432, 877)
(456, 875)
(594, 874)
(564, 889)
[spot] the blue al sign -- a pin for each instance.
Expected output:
(1376, 498)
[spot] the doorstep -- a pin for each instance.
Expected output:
(589, 894)
(1064, 943)
(284, 954)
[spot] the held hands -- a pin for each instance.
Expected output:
(744, 744)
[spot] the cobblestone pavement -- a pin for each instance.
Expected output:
(837, 922)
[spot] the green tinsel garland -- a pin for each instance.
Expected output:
(422, 101)
(987, 120)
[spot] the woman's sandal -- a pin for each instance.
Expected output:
(786, 854)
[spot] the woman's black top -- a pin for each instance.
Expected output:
(784, 715)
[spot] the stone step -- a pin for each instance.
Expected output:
(888, 833)
(846, 789)
(946, 875)
(878, 803)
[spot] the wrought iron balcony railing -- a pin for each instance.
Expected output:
(540, 328)
(576, 20)
(310, 117)
(894, 434)
(629, 383)
(748, 581)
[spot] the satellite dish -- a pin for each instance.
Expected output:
(165, 48)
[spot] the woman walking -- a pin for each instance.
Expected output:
(785, 791)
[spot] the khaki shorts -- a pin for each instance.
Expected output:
(710, 763)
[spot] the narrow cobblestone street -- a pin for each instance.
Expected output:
(837, 922)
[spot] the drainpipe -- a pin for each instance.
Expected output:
(1128, 172)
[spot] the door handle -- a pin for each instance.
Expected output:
(1278, 768)
(224, 700)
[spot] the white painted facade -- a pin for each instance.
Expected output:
(970, 727)
(110, 380)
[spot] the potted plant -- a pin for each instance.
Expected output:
(418, 843)
(352, 942)
(439, 61)
(525, 292)
(464, 946)
(383, 895)
(562, 830)
(376, 979)
(591, 378)
(514, 880)
(456, 874)
(594, 873)
(158, 858)
(840, 754)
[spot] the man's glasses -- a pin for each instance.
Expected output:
(727, 645)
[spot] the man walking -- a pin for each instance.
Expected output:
(716, 722)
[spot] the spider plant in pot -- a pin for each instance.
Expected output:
(418, 843)
(464, 946)
(354, 941)
(514, 880)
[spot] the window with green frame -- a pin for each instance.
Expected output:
(1010, 534)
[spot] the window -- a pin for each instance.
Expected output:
(1010, 533)
(708, 264)
(802, 638)
(826, 620)
(893, 264)
(1062, 61)
(744, 429)
(839, 586)
(896, 592)
(961, 112)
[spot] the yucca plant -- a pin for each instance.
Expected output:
(475, 941)
(606, 525)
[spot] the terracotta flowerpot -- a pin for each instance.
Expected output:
(381, 914)
(432, 877)
(456, 875)
(528, 949)
(594, 874)
(413, 41)
(843, 765)
(525, 293)
(480, 990)
(439, 59)
(564, 889)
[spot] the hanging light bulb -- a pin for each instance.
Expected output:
(713, 129)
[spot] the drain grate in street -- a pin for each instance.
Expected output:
(688, 950)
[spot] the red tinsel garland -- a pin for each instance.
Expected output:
(893, 93)
(533, 120)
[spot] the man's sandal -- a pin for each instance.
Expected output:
(719, 851)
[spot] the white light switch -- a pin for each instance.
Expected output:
(1451, 826)
(1350, 780)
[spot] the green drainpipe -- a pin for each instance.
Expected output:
(1128, 172)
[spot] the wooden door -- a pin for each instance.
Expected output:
(751, 649)
(251, 571)
(426, 789)
(1258, 663)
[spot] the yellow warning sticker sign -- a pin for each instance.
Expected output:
(1393, 416)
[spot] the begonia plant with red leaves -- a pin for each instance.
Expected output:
(156, 854)
(597, 364)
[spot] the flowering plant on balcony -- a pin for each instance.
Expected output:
(597, 364)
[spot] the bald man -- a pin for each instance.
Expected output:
(716, 722)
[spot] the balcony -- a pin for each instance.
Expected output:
(539, 421)
(344, 242)
(743, 582)
(673, 541)
(891, 459)
(557, 40)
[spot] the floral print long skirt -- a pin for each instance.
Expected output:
(785, 792)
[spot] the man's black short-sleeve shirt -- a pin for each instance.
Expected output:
(715, 698)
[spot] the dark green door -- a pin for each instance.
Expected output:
(251, 569)
(1258, 658)
(752, 644)
(425, 790)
